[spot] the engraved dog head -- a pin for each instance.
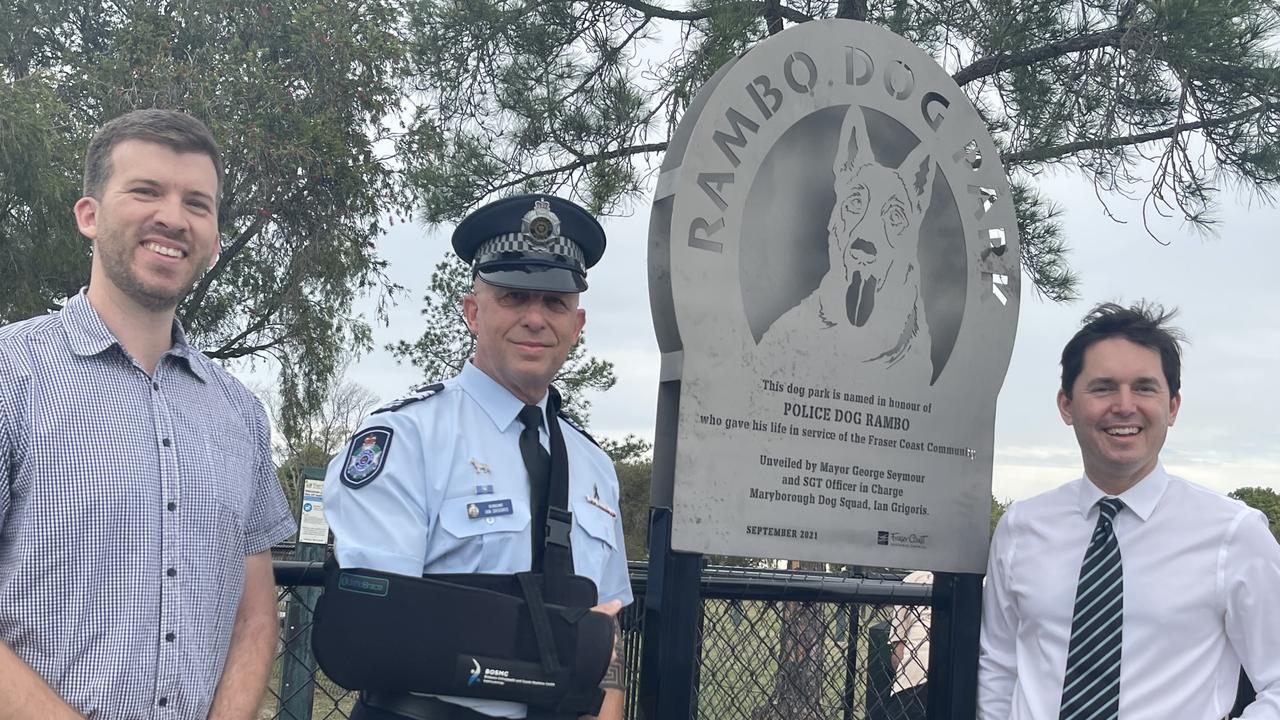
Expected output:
(874, 230)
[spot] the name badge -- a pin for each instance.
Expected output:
(488, 509)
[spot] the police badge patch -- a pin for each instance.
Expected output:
(365, 456)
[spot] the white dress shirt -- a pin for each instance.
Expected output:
(1201, 597)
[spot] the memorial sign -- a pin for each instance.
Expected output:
(834, 277)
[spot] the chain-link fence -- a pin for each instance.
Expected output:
(775, 645)
(298, 690)
(783, 645)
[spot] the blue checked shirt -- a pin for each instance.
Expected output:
(127, 506)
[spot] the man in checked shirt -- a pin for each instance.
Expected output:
(138, 502)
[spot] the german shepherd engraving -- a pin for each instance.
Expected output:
(869, 301)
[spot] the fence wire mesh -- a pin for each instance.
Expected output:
(770, 660)
(298, 690)
(818, 658)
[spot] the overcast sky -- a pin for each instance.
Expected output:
(1226, 284)
(1228, 430)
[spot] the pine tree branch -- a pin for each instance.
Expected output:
(992, 64)
(1056, 151)
(607, 60)
(662, 13)
(582, 162)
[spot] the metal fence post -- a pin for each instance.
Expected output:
(850, 614)
(672, 625)
(879, 670)
(673, 619)
(298, 666)
(673, 598)
(953, 639)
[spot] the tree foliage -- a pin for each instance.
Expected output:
(42, 257)
(299, 94)
(320, 433)
(633, 488)
(338, 117)
(998, 507)
(447, 342)
(630, 449)
(579, 96)
(1264, 499)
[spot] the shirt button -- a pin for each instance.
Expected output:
(171, 572)
(171, 506)
(168, 637)
(162, 701)
(165, 442)
(155, 386)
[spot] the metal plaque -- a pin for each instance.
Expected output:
(834, 277)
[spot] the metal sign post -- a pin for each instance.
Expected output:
(298, 667)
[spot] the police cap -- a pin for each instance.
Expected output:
(532, 242)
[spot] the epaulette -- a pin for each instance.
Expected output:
(418, 394)
(575, 426)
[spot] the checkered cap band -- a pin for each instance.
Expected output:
(492, 249)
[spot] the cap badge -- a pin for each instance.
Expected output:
(540, 226)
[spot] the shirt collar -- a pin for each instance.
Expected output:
(499, 404)
(1142, 498)
(88, 335)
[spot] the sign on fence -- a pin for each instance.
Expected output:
(834, 277)
(312, 527)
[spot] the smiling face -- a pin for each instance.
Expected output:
(522, 336)
(154, 227)
(1121, 410)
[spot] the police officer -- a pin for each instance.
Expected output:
(437, 482)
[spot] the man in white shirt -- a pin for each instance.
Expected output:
(1128, 593)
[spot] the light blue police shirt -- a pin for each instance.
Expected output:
(438, 457)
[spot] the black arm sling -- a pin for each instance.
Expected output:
(527, 637)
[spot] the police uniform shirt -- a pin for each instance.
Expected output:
(438, 485)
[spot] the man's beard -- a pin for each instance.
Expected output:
(116, 253)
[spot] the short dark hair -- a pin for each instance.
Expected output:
(1144, 324)
(175, 130)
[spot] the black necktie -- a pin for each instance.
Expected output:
(1091, 686)
(538, 463)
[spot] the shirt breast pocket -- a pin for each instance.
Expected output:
(479, 536)
(231, 459)
(594, 540)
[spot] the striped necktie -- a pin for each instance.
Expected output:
(1091, 687)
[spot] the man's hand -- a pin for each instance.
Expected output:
(611, 609)
(612, 683)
